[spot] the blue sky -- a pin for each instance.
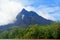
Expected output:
(51, 7)
(35, 3)
(9, 9)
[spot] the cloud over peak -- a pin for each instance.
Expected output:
(9, 9)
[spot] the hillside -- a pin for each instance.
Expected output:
(36, 31)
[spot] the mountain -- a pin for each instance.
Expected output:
(26, 18)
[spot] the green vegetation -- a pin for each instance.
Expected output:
(33, 32)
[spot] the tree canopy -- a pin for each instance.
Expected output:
(33, 32)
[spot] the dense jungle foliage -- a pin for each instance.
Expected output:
(33, 32)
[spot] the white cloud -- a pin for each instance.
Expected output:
(30, 8)
(42, 11)
(49, 12)
(46, 15)
(8, 11)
